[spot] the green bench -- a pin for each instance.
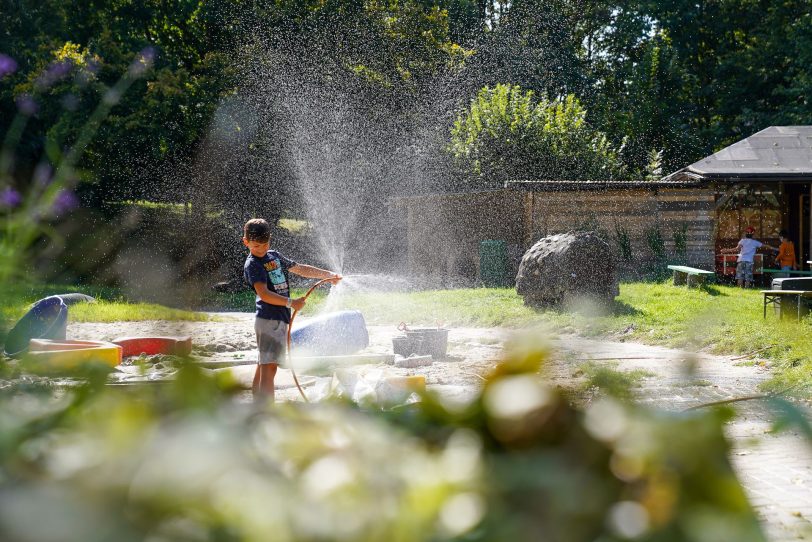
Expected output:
(689, 276)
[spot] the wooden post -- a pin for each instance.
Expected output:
(528, 220)
(694, 281)
(801, 229)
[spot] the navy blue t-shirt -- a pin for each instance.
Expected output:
(273, 269)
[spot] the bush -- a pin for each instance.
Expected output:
(506, 133)
(188, 461)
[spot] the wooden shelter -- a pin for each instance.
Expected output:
(686, 217)
(762, 181)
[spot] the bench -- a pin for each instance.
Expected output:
(689, 276)
(774, 297)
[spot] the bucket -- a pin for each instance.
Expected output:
(46, 319)
(422, 342)
(402, 346)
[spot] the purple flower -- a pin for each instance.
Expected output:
(148, 54)
(93, 66)
(10, 198)
(65, 201)
(7, 65)
(54, 72)
(26, 104)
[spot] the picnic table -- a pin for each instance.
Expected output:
(774, 297)
(689, 276)
(790, 272)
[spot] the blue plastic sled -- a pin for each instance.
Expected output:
(332, 334)
(47, 319)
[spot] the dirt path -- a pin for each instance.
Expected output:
(776, 470)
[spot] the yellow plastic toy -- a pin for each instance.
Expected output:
(46, 355)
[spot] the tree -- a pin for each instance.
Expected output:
(747, 64)
(507, 133)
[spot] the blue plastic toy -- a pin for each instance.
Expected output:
(47, 319)
(332, 334)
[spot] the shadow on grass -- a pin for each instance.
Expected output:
(619, 308)
(590, 308)
(713, 290)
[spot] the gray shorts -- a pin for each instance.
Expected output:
(744, 271)
(272, 340)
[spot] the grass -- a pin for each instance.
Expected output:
(477, 307)
(294, 225)
(606, 378)
(111, 306)
(122, 311)
(718, 319)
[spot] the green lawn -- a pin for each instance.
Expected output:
(110, 307)
(122, 311)
(719, 319)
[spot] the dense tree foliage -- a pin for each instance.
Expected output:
(678, 78)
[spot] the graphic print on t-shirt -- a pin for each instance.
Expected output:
(274, 269)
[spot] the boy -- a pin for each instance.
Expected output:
(267, 272)
(786, 253)
(747, 251)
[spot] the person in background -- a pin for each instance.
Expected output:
(746, 248)
(786, 254)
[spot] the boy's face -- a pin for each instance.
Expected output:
(257, 248)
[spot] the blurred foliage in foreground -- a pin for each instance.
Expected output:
(188, 460)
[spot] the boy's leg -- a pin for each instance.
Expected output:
(255, 383)
(265, 389)
(748, 275)
(271, 339)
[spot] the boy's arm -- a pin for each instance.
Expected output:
(310, 272)
(272, 298)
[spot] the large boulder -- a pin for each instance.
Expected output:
(567, 266)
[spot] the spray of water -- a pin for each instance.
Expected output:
(310, 136)
(354, 284)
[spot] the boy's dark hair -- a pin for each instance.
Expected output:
(257, 229)
(784, 234)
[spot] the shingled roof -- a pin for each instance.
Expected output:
(777, 153)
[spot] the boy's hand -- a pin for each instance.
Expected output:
(297, 304)
(335, 278)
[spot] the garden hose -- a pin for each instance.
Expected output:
(290, 326)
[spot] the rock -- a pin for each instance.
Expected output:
(413, 361)
(567, 266)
